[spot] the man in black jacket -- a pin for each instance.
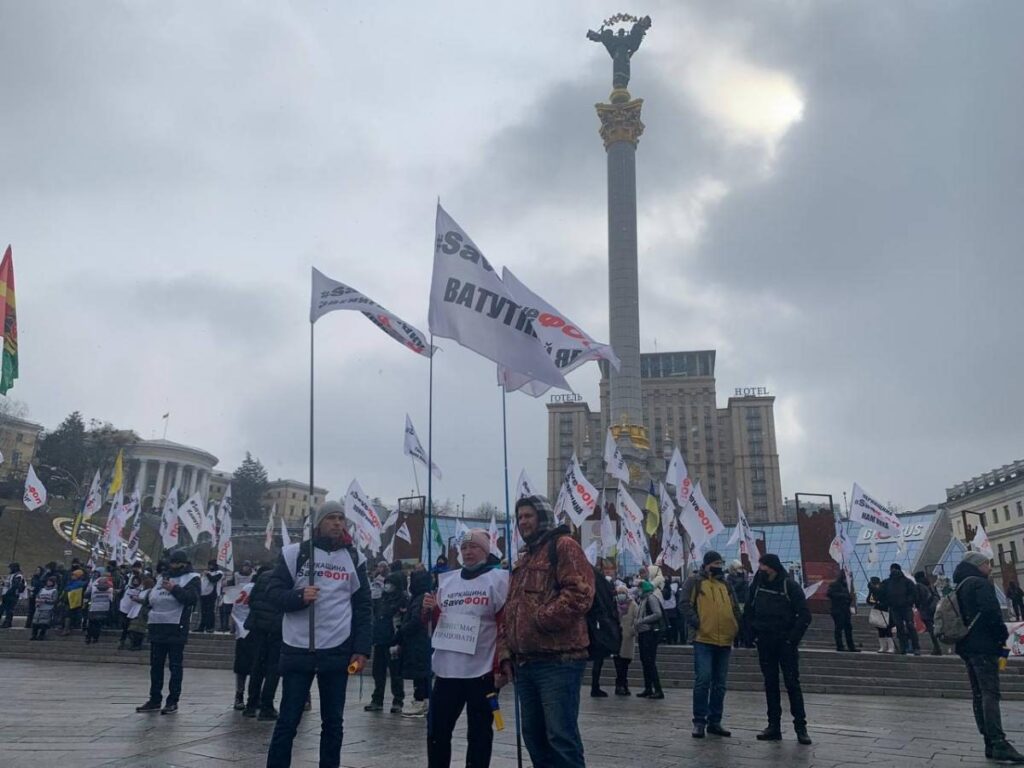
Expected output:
(387, 615)
(339, 600)
(840, 602)
(264, 625)
(170, 611)
(776, 616)
(927, 602)
(900, 594)
(980, 650)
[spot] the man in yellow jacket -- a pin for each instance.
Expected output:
(712, 613)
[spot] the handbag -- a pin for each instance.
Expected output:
(878, 618)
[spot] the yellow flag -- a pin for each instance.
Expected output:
(118, 481)
(653, 511)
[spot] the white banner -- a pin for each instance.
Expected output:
(632, 528)
(609, 540)
(210, 521)
(698, 518)
(673, 554)
(404, 534)
(116, 516)
(268, 534)
(615, 465)
(492, 534)
(414, 448)
(224, 512)
(841, 548)
(580, 498)
(286, 539)
(330, 295)
(225, 549)
(744, 536)
(668, 515)
(94, 500)
(630, 541)
(524, 486)
(192, 516)
(565, 342)
(470, 304)
(679, 477)
(872, 513)
(169, 525)
(980, 543)
(35, 491)
(359, 509)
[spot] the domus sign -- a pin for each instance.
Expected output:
(914, 532)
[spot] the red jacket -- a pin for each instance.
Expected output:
(546, 612)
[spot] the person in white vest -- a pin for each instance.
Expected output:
(340, 601)
(468, 613)
(170, 610)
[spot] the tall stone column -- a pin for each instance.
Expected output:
(158, 491)
(140, 478)
(621, 129)
(177, 477)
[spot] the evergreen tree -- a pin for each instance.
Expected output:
(247, 489)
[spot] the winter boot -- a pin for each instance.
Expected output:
(881, 645)
(1003, 752)
(801, 735)
(239, 692)
(772, 733)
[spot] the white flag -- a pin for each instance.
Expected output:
(631, 541)
(133, 541)
(210, 521)
(524, 486)
(492, 534)
(329, 295)
(841, 548)
(414, 448)
(192, 516)
(632, 529)
(668, 515)
(35, 491)
(403, 533)
(169, 524)
(591, 552)
(698, 518)
(872, 514)
(810, 589)
(673, 554)
(615, 465)
(872, 552)
(94, 500)
(679, 477)
(116, 516)
(225, 549)
(744, 536)
(608, 536)
(224, 512)
(980, 543)
(389, 551)
(566, 343)
(268, 534)
(286, 539)
(470, 304)
(460, 530)
(359, 509)
(580, 498)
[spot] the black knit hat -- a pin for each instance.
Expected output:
(712, 557)
(896, 567)
(773, 562)
(179, 557)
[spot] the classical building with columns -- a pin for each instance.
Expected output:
(159, 465)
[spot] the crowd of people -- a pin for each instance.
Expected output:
(459, 635)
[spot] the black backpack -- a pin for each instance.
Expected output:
(603, 628)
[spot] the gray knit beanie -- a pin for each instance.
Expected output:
(977, 559)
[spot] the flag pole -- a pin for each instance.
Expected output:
(415, 475)
(430, 459)
(508, 554)
(309, 517)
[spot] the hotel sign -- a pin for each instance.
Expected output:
(569, 398)
(751, 392)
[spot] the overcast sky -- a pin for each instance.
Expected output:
(830, 195)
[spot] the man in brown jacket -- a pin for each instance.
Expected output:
(550, 593)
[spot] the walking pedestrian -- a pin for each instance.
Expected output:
(981, 650)
(927, 602)
(170, 612)
(46, 599)
(264, 623)
(1016, 597)
(626, 608)
(841, 608)
(777, 617)
(341, 632)
(550, 593)
(14, 588)
(387, 616)
(876, 600)
(412, 645)
(209, 591)
(712, 612)
(650, 620)
(474, 595)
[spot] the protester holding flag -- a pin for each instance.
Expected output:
(840, 599)
(339, 600)
(466, 668)
(777, 618)
(710, 609)
(209, 590)
(551, 591)
(170, 612)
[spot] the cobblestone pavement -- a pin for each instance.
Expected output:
(80, 716)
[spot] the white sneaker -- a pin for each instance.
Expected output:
(415, 709)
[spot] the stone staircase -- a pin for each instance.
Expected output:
(822, 669)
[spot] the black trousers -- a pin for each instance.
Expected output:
(449, 697)
(95, 629)
(383, 667)
(31, 611)
(263, 679)
(622, 673)
(225, 618)
(649, 659)
(983, 672)
(7, 610)
(774, 654)
(174, 655)
(903, 620)
(207, 603)
(843, 629)
(1018, 609)
(595, 672)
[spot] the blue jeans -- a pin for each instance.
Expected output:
(549, 702)
(295, 691)
(710, 670)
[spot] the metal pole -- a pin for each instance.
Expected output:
(312, 547)
(430, 460)
(415, 475)
(17, 531)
